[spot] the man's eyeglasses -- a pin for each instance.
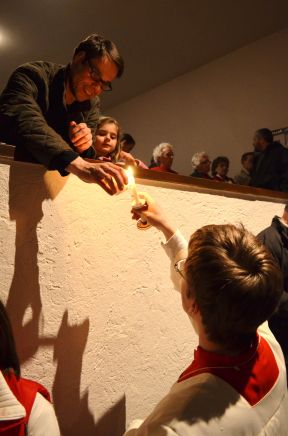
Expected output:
(179, 267)
(96, 76)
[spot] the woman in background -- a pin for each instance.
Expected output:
(201, 165)
(163, 154)
(220, 168)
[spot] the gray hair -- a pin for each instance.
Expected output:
(158, 150)
(196, 158)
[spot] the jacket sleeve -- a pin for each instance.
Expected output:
(176, 249)
(23, 100)
(270, 238)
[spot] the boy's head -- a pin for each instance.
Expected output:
(127, 142)
(234, 281)
(247, 161)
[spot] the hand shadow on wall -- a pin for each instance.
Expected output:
(72, 410)
(29, 186)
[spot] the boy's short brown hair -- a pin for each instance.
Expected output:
(234, 280)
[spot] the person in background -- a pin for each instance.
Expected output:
(236, 383)
(270, 169)
(201, 165)
(25, 407)
(220, 168)
(244, 177)
(163, 154)
(275, 238)
(152, 163)
(49, 111)
(127, 142)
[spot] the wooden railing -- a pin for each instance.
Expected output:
(184, 183)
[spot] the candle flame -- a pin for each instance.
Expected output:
(130, 175)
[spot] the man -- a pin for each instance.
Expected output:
(275, 238)
(201, 165)
(244, 177)
(49, 111)
(236, 384)
(271, 162)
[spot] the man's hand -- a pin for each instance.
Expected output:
(154, 215)
(80, 136)
(106, 174)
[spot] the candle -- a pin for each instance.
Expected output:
(131, 184)
(137, 203)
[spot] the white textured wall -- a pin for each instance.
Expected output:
(217, 107)
(90, 299)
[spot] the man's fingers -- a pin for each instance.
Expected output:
(78, 131)
(110, 177)
(82, 134)
(106, 187)
(106, 180)
(78, 127)
(118, 173)
(81, 140)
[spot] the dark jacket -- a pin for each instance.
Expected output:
(35, 118)
(275, 238)
(271, 168)
(200, 175)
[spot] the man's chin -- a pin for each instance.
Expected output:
(81, 98)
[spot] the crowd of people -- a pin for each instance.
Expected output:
(229, 283)
(265, 167)
(56, 121)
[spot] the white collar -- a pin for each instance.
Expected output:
(10, 408)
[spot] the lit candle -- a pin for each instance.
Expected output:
(137, 202)
(131, 184)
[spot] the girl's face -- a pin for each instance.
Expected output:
(222, 169)
(106, 139)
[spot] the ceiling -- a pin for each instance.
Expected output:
(159, 39)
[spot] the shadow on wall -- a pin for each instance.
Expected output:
(26, 194)
(72, 410)
(28, 188)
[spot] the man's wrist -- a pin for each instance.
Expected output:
(61, 161)
(76, 165)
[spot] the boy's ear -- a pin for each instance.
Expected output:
(193, 307)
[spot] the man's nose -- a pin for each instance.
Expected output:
(97, 89)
